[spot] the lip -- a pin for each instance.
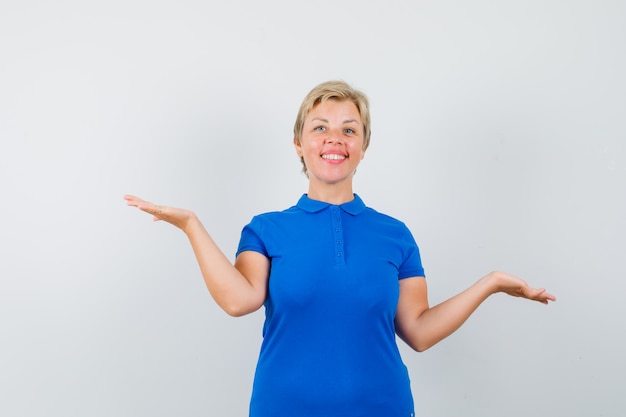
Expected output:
(340, 157)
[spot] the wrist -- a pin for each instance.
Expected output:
(191, 222)
(492, 282)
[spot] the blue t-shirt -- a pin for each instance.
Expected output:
(329, 346)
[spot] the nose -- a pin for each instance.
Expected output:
(334, 136)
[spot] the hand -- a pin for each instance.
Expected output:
(517, 287)
(175, 216)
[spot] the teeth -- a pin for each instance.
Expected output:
(333, 156)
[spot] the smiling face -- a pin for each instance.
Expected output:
(331, 143)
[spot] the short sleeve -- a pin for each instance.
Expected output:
(412, 264)
(251, 237)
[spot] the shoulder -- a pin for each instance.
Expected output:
(382, 219)
(385, 226)
(273, 218)
(277, 215)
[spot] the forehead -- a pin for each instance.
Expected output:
(334, 108)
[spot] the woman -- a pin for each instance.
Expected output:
(338, 280)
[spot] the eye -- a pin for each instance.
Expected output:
(350, 131)
(319, 129)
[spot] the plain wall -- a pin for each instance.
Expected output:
(499, 137)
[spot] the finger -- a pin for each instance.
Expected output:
(549, 296)
(537, 293)
(544, 296)
(130, 197)
(529, 293)
(149, 208)
(133, 200)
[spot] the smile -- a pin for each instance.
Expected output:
(333, 156)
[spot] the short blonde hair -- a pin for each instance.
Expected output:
(333, 90)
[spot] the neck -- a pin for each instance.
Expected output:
(331, 193)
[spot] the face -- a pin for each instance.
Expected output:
(332, 142)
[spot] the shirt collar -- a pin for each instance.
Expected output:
(353, 207)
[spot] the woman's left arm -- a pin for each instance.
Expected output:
(421, 326)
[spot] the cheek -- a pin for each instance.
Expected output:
(312, 146)
(357, 150)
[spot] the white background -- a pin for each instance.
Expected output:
(499, 137)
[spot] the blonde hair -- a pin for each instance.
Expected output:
(333, 90)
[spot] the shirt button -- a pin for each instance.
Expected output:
(339, 253)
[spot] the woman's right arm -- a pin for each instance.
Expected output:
(238, 289)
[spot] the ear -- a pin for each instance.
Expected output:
(298, 146)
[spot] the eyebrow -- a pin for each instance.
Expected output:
(326, 121)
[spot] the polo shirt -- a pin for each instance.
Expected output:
(329, 346)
